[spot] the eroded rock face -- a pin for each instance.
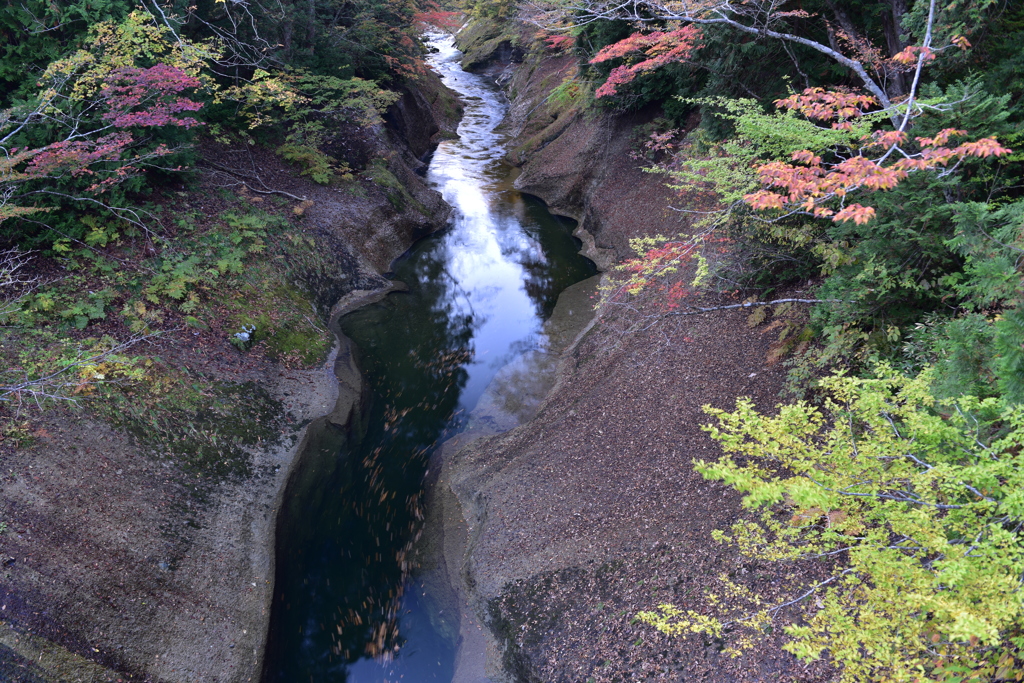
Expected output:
(117, 565)
(392, 206)
(490, 45)
(122, 559)
(587, 166)
(590, 170)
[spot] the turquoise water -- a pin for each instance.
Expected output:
(348, 605)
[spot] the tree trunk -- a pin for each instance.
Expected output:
(894, 79)
(286, 37)
(311, 27)
(844, 20)
(892, 22)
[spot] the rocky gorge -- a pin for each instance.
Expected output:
(552, 522)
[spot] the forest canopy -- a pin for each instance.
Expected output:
(107, 112)
(102, 101)
(874, 148)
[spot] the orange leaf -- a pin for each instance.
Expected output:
(764, 200)
(855, 212)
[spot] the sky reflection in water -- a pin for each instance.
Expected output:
(478, 294)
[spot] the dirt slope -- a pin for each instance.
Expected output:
(592, 511)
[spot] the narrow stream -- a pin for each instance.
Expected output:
(348, 605)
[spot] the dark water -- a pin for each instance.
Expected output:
(348, 606)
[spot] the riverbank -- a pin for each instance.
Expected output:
(590, 512)
(144, 551)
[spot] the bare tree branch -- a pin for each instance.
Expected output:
(695, 310)
(759, 14)
(760, 18)
(14, 285)
(53, 386)
(243, 178)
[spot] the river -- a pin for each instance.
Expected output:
(348, 602)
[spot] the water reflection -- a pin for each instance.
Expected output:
(347, 606)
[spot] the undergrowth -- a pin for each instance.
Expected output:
(133, 329)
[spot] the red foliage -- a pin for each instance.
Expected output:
(855, 212)
(808, 183)
(76, 157)
(149, 97)
(132, 98)
(652, 266)
(658, 48)
(449, 22)
(560, 43)
(910, 54)
(819, 104)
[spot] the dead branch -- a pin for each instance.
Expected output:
(243, 178)
(14, 285)
(54, 386)
(695, 310)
